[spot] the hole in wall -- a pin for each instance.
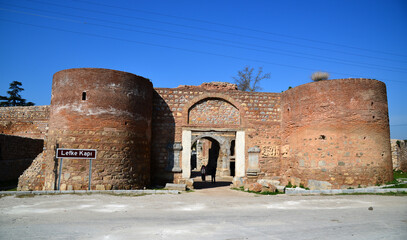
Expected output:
(125, 123)
(373, 117)
(322, 137)
(371, 104)
(83, 96)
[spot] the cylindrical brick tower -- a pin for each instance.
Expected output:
(106, 110)
(336, 132)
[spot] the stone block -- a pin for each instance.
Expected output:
(66, 176)
(319, 185)
(295, 181)
(76, 178)
(173, 186)
(100, 187)
(266, 182)
(280, 188)
(255, 187)
(349, 180)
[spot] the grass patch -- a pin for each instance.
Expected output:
(397, 175)
(25, 196)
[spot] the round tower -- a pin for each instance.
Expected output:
(336, 133)
(106, 110)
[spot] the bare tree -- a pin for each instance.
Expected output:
(247, 81)
(319, 76)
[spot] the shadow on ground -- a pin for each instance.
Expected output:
(203, 185)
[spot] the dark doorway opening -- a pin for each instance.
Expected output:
(207, 154)
(232, 168)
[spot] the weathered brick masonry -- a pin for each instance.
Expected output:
(98, 109)
(337, 131)
(333, 132)
(31, 122)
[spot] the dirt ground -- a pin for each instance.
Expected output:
(210, 213)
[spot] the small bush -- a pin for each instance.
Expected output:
(319, 76)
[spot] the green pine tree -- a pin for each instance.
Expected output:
(14, 98)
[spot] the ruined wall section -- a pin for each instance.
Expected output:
(101, 109)
(206, 106)
(337, 132)
(31, 121)
(399, 154)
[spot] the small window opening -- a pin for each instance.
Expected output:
(322, 137)
(83, 95)
(371, 104)
(373, 117)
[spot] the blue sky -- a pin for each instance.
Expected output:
(190, 42)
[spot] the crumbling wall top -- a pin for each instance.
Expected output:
(224, 86)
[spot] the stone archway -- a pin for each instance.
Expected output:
(213, 115)
(223, 152)
(191, 136)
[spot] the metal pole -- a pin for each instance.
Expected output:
(90, 173)
(60, 172)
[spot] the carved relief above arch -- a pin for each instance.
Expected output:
(213, 109)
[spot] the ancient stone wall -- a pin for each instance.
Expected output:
(31, 122)
(399, 154)
(214, 106)
(213, 112)
(333, 133)
(101, 109)
(336, 131)
(16, 155)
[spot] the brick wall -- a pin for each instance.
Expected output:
(215, 106)
(337, 131)
(214, 112)
(29, 122)
(101, 109)
(16, 155)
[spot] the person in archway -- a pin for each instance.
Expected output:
(213, 174)
(203, 173)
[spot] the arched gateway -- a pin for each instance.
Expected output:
(216, 120)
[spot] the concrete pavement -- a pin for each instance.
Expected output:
(208, 213)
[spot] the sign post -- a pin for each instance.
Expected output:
(60, 170)
(76, 154)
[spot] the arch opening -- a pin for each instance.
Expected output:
(211, 151)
